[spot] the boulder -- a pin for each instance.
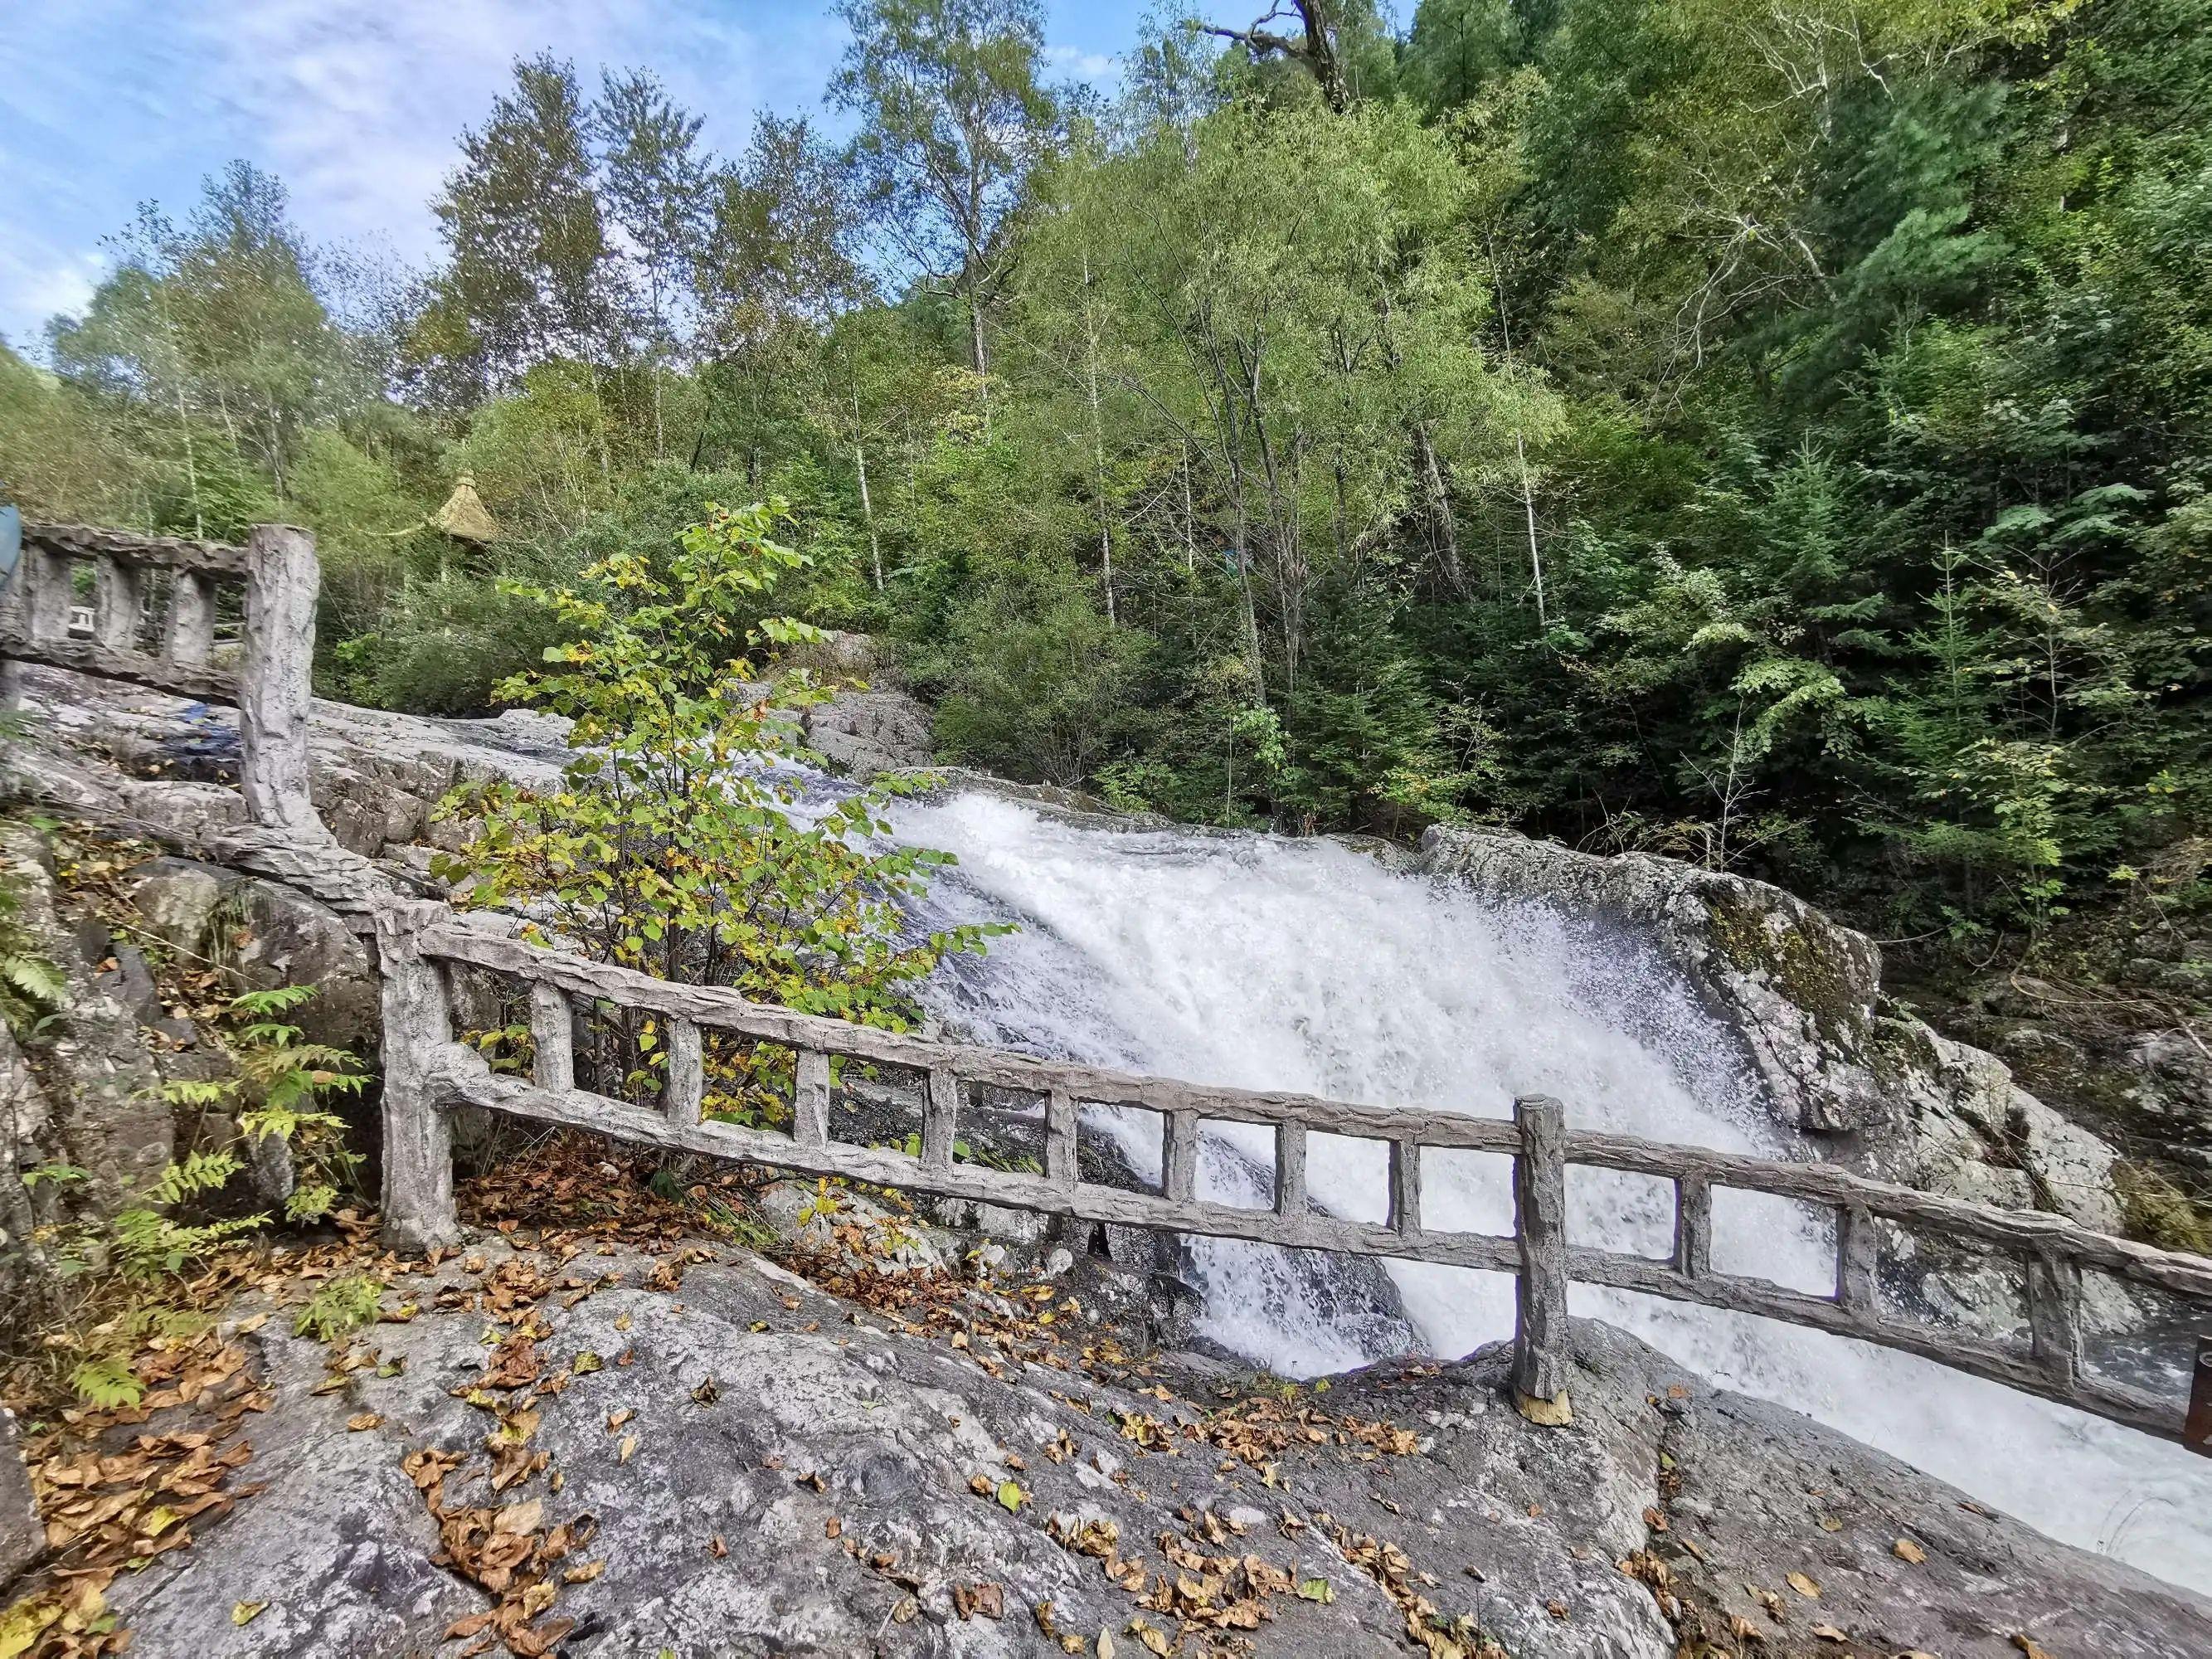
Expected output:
(770, 1470)
(864, 732)
(109, 1118)
(1802, 994)
(285, 937)
(22, 1538)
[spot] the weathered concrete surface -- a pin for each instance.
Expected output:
(836, 1459)
(1802, 995)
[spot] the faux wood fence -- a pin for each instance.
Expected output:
(269, 686)
(428, 1071)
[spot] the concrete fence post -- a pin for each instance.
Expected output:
(1539, 1212)
(274, 686)
(418, 1029)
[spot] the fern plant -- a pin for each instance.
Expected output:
(279, 1083)
(32, 989)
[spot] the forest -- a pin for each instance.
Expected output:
(1772, 433)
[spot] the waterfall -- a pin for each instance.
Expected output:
(1264, 962)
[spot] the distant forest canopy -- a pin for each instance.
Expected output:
(1770, 432)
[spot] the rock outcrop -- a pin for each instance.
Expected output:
(740, 1463)
(1802, 995)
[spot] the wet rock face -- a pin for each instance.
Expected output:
(1803, 997)
(764, 1468)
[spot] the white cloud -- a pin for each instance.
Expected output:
(1095, 66)
(354, 104)
(37, 283)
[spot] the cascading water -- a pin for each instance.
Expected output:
(1263, 962)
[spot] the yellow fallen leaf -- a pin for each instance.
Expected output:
(158, 1520)
(244, 1613)
(1804, 1586)
(585, 1573)
(247, 1328)
(1905, 1550)
(362, 1420)
(628, 1449)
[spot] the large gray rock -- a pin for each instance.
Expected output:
(22, 1538)
(106, 1115)
(771, 1470)
(1802, 995)
(864, 732)
(268, 933)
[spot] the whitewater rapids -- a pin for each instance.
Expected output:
(1271, 963)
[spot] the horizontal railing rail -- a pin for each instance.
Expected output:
(270, 684)
(428, 1071)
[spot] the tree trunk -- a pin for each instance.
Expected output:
(1098, 446)
(1440, 510)
(868, 513)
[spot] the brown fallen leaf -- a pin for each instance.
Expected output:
(628, 1449)
(1804, 1586)
(716, 1547)
(2028, 1645)
(1829, 1633)
(979, 1602)
(363, 1420)
(585, 1573)
(1905, 1550)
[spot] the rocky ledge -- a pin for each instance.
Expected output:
(1875, 1086)
(591, 1448)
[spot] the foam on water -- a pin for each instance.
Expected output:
(1297, 965)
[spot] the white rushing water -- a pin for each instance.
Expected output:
(1298, 964)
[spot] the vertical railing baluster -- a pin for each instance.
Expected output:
(274, 700)
(418, 1036)
(190, 634)
(1290, 1169)
(552, 1038)
(1858, 1249)
(2054, 1316)
(1406, 1187)
(1540, 1211)
(48, 581)
(1694, 1226)
(940, 1118)
(810, 1101)
(1061, 1147)
(118, 588)
(1179, 1157)
(683, 1091)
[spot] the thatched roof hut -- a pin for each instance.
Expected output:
(464, 516)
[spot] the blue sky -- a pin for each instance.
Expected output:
(354, 104)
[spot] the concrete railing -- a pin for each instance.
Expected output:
(270, 683)
(428, 1071)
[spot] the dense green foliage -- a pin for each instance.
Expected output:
(1776, 435)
